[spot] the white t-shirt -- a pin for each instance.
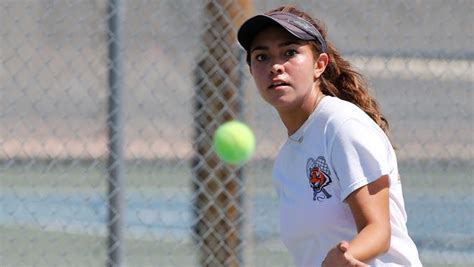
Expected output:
(336, 151)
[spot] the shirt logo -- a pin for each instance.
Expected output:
(319, 177)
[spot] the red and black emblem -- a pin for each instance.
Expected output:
(318, 176)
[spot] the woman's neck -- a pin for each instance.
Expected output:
(294, 118)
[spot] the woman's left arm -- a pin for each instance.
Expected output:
(370, 209)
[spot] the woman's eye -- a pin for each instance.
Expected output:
(260, 57)
(290, 52)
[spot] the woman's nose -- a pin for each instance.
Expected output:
(276, 68)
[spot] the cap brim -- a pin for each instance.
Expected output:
(254, 25)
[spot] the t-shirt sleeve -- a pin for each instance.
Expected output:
(359, 155)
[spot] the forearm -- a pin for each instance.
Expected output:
(370, 208)
(371, 241)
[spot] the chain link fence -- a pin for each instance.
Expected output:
(182, 207)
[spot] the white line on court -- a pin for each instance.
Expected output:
(414, 68)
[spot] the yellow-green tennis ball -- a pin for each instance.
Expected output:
(234, 142)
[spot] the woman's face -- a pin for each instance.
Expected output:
(283, 68)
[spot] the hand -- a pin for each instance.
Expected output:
(338, 256)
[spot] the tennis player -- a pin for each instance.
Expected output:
(341, 201)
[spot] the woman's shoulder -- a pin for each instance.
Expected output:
(335, 114)
(337, 111)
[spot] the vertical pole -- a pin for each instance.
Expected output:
(218, 187)
(115, 138)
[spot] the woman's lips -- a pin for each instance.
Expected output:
(277, 84)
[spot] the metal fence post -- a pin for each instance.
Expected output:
(115, 138)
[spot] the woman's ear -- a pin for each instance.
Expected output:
(320, 65)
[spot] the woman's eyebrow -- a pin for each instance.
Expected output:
(259, 48)
(292, 42)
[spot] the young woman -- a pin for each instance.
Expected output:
(336, 177)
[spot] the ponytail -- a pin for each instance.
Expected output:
(341, 80)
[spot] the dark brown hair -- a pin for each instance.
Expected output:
(340, 79)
